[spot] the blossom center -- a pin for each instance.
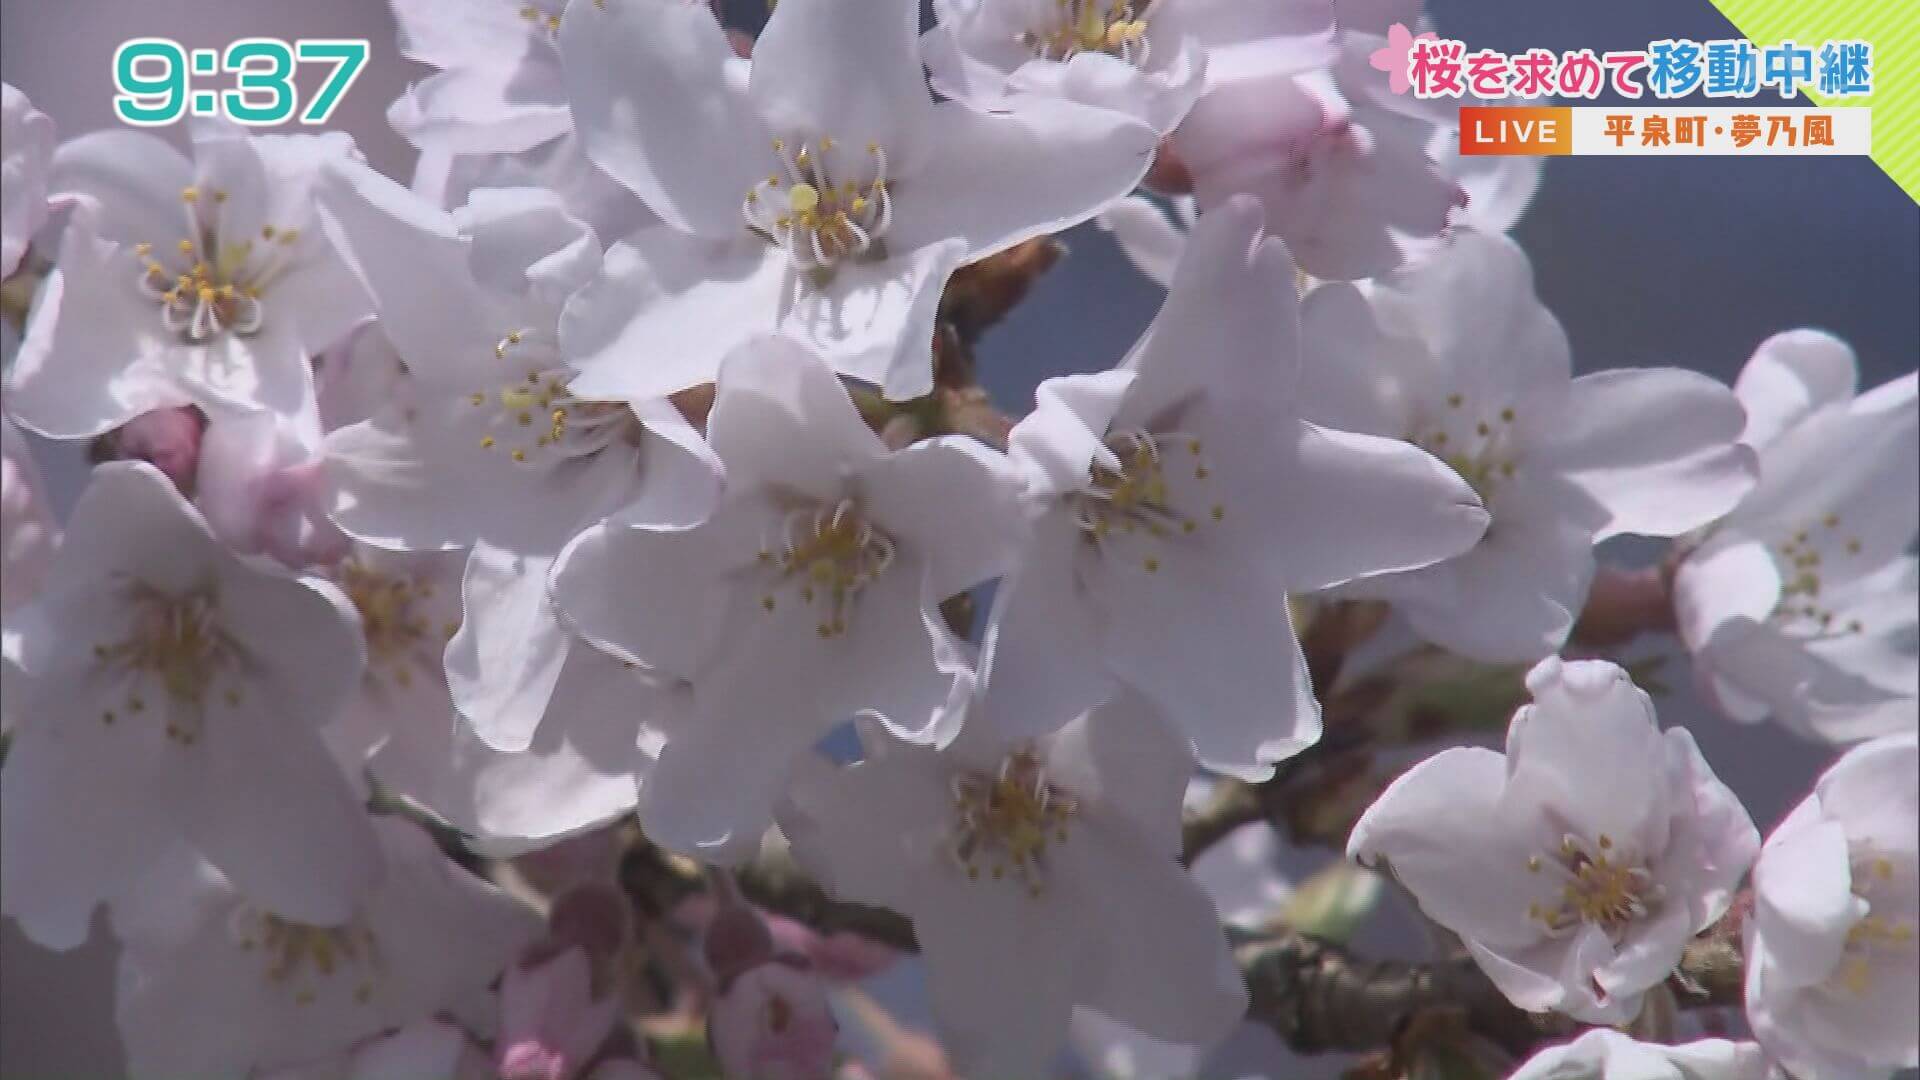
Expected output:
(1479, 444)
(1803, 612)
(536, 418)
(1878, 941)
(1073, 27)
(1007, 821)
(826, 556)
(209, 282)
(825, 205)
(1598, 886)
(177, 643)
(400, 637)
(1143, 495)
(307, 961)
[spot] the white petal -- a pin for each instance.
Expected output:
(1791, 375)
(1042, 661)
(655, 596)
(1211, 643)
(527, 243)
(1714, 842)
(1229, 330)
(1724, 580)
(1803, 899)
(279, 819)
(803, 90)
(1588, 754)
(659, 105)
(516, 103)
(1056, 164)
(503, 662)
(414, 263)
(1357, 377)
(1656, 447)
(134, 177)
(1347, 506)
(874, 320)
(1158, 958)
(979, 938)
(29, 137)
(866, 831)
(1509, 348)
(577, 773)
(1870, 791)
(665, 310)
(83, 809)
(1439, 826)
(1124, 761)
(453, 33)
(1059, 441)
(1514, 596)
(954, 501)
(28, 531)
(94, 355)
(1146, 235)
(1861, 463)
(782, 422)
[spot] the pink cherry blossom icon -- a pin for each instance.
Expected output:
(1392, 57)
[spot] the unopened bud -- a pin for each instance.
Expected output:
(169, 439)
(774, 1023)
(837, 957)
(550, 1024)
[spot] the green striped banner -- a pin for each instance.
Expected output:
(1892, 27)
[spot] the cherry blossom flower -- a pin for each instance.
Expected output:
(1455, 354)
(1603, 1054)
(1178, 498)
(1346, 172)
(28, 136)
(1577, 865)
(489, 443)
(1046, 864)
(1801, 604)
(168, 692)
(1496, 191)
(1833, 964)
(809, 594)
(816, 189)
(211, 985)
(203, 282)
(490, 447)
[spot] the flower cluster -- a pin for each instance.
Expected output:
(627, 463)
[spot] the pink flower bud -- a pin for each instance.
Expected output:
(263, 491)
(773, 1023)
(838, 957)
(169, 439)
(549, 1023)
